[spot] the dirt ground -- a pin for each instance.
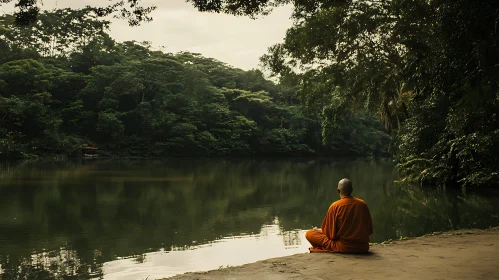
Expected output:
(465, 254)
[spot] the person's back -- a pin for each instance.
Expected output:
(353, 225)
(346, 227)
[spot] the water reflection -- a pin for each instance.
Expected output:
(228, 251)
(111, 219)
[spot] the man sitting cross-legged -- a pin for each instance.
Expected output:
(346, 227)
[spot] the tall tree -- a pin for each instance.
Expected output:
(57, 33)
(428, 68)
(132, 100)
(131, 10)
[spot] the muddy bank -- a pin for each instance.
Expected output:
(463, 254)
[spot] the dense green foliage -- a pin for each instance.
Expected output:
(428, 68)
(65, 83)
(27, 11)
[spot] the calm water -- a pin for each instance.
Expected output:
(139, 219)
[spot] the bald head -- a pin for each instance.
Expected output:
(345, 187)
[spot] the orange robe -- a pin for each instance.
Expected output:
(345, 229)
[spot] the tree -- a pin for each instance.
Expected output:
(428, 69)
(131, 10)
(25, 106)
(132, 100)
(57, 33)
(240, 7)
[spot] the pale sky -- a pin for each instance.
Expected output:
(178, 26)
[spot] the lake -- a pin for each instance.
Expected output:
(127, 219)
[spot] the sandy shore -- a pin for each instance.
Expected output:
(464, 254)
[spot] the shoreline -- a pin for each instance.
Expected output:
(55, 157)
(459, 254)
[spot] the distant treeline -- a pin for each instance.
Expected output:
(65, 83)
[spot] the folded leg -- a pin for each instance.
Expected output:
(318, 240)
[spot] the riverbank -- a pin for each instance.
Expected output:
(463, 254)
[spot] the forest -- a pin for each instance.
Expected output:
(65, 83)
(428, 70)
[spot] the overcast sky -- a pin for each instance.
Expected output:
(178, 26)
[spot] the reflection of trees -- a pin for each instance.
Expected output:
(291, 238)
(126, 209)
(413, 211)
(57, 264)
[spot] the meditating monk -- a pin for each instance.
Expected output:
(346, 227)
